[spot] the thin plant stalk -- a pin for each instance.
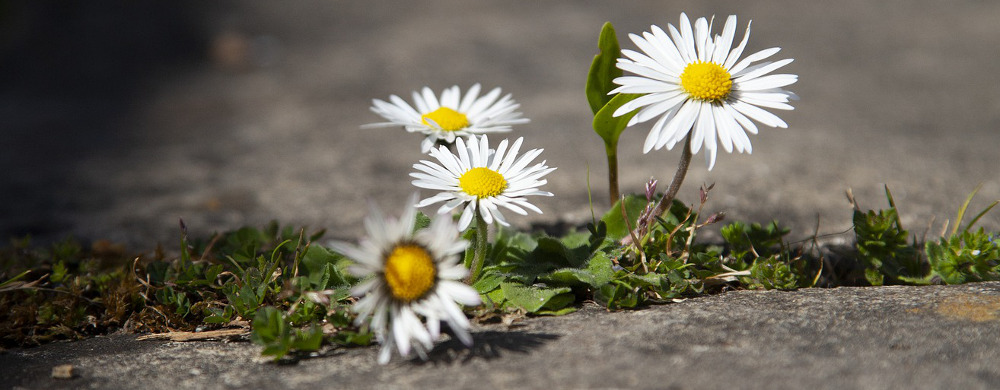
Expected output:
(612, 153)
(481, 247)
(675, 184)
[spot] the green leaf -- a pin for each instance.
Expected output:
(610, 127)
(771, 273)
(617, 296)
(961, 210)
(516, 240)
(603, 70)
(874, 277)
(272, 331)
(496, 296)
(350, 338)
(614, 220)
(527, 258)
(532, 299)
(560, 312)
(966, 257)
(321, 267)
(58, 273)
(158, 271)
(19, 276)
(309, 339)
(268, 326)
(488, 281)
(980, 215)
(554, 251)
(597, 274)
(422, 221)
(219, 316)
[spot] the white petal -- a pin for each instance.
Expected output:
(725, 42)
(467, 214)
(669, 103)
(681, 126)
(735, 54)
(687, 35)
(483, 102)
(765, 103)
(421, 104)
(742, 119)
(701, 37)
(461, 293)
(767, 82)
(450, 96)
(760, 55)
(759, 115)
(750, 74)
(470, 97)
(722, 128)
(656, 132)
(432, 102)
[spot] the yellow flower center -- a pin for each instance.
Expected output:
(482, 182)
(706, 81)
(447, 119)
(409, 271)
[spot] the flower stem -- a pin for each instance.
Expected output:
(675, 184)
(612, 153)
(481, 246)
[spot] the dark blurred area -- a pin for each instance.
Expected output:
(72, 71)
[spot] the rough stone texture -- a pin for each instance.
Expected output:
(866, 338)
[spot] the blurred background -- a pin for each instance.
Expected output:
(117, 118)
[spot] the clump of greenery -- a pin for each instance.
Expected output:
(883, 246)
(956, 257)
(65, 291)
(295, 292)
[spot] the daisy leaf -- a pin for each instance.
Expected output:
(610, 127)
(597, 274)
(617, 228)
(532, 299)
(603, 69)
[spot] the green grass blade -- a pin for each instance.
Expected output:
(961, 210)
(980, 215)
(892, 203)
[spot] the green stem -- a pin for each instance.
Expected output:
(481, 246)
(612, 152)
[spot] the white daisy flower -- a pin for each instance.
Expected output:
(696, 85)
(411, 276)
(482, 179)
(452, 116)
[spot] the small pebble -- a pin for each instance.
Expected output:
(63, 371)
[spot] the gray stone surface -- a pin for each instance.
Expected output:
(118, 120)
(843, 338)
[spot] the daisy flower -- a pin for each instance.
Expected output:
(452, 116)
(410, 276)
(482, 179)
(697, 86)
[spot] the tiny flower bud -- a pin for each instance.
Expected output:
(651, 189)
(703, 192)
(715, 218)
